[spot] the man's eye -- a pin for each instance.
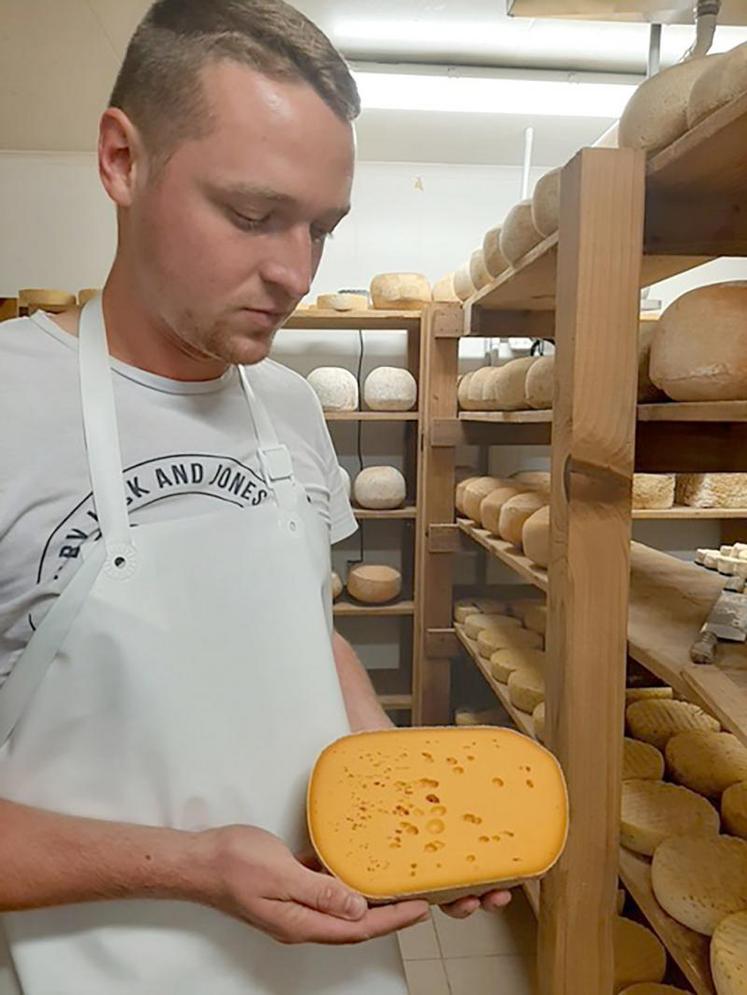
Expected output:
(245, 223)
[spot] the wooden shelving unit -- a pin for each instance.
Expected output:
(624, 223)
(395, 687)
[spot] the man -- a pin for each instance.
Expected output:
(169, 496)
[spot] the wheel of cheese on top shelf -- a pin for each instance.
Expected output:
(648, 392)
(380, 488)
(478, 271)
(463, 285)
(540, 383)
(639, 955)
(526, 687)
(729, 955)
(374, 585)
(400, 291)
(641, 761)
(535, 537)
(720, 83)
(712, 490)
(518, 234)
(699, 880)
(654, 810)
(706, 762)
(336, 388)
(390, 388)
(342, 301)
(474, 493)
(546, 203)
(653, 491)
(511, 384)
(734, 810)
(656, 114)
(495, 262)
(516, 512)
(699, 351)
(443, 290)
(492, 505)
(657, 720)
(505, 661)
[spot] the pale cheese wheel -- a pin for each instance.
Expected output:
(463, 391)
(648, 392)
(699, 880)
(729, 955)
(390, 388)
(540, 383)
(641, 761)
(344, 301)
(712, 490)
(699, 352)
(546, 203)
(495, 262)
(492, 504)
(474, 624)
(336, 388)
(706, 762)
(734, 809)
(654, 810)
(515, 512)
(482, 717)
(337, 586)
(526, 687)
(538, 480)
(639, 954)
(651, 988)
(463, 609)
(482, 394)
(518, 234)
(535, 618)
(656, 721)
(522, 608)
(86, 295)
(459, 493)
(494, 638)
(380, 488)
(478, 271)
(645, 694)
(535, 537)
(463, 285)
(443, 290)
(539, 721)
(504, 662)
(656, 114)
(374, 585)
(475, 492)
(400, 291)
(653, 491)
(511, 384)
(44, 299)
(721, 82)
(492, 606)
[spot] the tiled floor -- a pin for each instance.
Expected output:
(488, 954)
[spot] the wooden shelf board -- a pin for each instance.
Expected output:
(506, 553)
(348, 609)
(673, 411)
(396, 702)
(354, 416)
(682, 513)
(506, 417)
(689, 950)
(410, 511)
(370, 320)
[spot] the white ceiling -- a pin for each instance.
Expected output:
(58, 59)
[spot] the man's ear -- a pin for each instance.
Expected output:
(121, 156)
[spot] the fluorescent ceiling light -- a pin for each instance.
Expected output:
(491, 95)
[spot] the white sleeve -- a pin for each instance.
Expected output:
(342, 519)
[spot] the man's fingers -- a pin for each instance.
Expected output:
(496, 900)
(462, 908)
(301, 924)
(325, 894)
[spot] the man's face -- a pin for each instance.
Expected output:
(228, 237)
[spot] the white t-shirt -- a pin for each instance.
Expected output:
(185, 446)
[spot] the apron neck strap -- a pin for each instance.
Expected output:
(274, 458)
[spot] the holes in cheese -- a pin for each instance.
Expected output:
(380, 488)
(734, 809)
(540, 383)
(706, 762)
(498, 637)
(336, 388)
(495, 261)
(389, 388)
(642, 761)
(436, 812)
(515, 513)
(729, 955)
(712, 490)
(655, 721)
(535, 537)
(653, 490)
(655, 810)
(518, 234)
(400, 291)
(546, 203)
(639, 955)
(374, 585)
(699, 880)
(504, 662)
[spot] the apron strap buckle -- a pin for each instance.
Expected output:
(276, 464)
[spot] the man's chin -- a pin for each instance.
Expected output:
(245, 351)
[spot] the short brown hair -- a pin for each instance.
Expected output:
(158, 85)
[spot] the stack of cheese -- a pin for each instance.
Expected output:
(728, 560)
(497, 388)
(515, 509)
(712, 490)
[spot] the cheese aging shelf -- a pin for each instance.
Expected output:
(624, 223)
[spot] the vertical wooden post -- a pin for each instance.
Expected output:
(442, 324)
(599, 264)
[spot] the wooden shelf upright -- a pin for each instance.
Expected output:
(624, 223)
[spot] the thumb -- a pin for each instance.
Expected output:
(325, 894)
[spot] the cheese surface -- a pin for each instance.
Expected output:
(380, 488)
(491, 506)
(539, 721)
(655, 721)
(478, 270)
(374, 585)
(706, 762)
(651, 988)
(443, 290)
(540, 383)
(729, 955)
(515, 513)
(390, 388)
(342, 302)
(653, 490)
(505, 661)
(474, 624)
(535, 618)
(510, 385)
(336, 388)
(495, 261)
(518, 234)
(494, 638)
(336, 586)
(655, 810)
(641, 761)
(526, 687)
(712, 490)
(400, 291)
(546, 203)
(721, 82)
(463, 285)
(433, 811)
(474, 493)
(639, 954)
(535, 537)
(734, 809)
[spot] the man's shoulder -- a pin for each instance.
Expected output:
(280, 385)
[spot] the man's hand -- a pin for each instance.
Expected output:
(260, 882)
(465, 907)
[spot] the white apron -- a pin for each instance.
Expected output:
(183, 678)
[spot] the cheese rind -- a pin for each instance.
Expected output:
(654, 810)
(380, 488)
(342, 302)
(540, 383)
(645, 694)
(510, 384)
(390, 388)
(483, 620)
(436, 812)
(504, 662)
(478, 271)
(535, 618)
(337, 586)
(639, 955)
(515, 512)
(641, 761)
(526, 687)
(535, 537)
(721, 82)
(518, 234)
(443, 290)
(336, 388)
(539, 721)
(463, 285)
(729, 955)
(651, 988)
(483, 717)
(653, 491)
(734, 809)
(648, 392)
(373, 584)
(498, 637)
(546, 203)
(656, 721)
(706, 762)
(475, 492)
(712, 490)
(400, 291)
(495, 262)
(492, 504)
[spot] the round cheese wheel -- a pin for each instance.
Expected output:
(723, 80)
(336, 388)
(699, 880)
(648, 392)
(463, 391)
(494, 638)
(344, 301)
(650, 988)
(706, 762)
(515, 513)
(699, 352)
(734, 809)
(463, 285)
(656, 114)
(482, 391)
(346, 482)
(655, 721)
(535, 618)
(505, 661)
(639, 955)
(526, 687)
(495, 262)
(712, 490)
(645, 694)
(641, 761)
(474, 624)
(518, 234)
(654, 810)
(39, 298)
(729, 955)
(540, 383)
(653, 490)
(492, 505)
(459, 494)
(478, 271)
(380, 488)
(534, 479)
(510, 386)
(84, 296)
(463, 609)
(474, 493)
(538, 720)
(443, 290)
(481, 717)
(374, 585)
(546, 203)
(390, 388)
(535, 537)
(337, 587)
(400, 291)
